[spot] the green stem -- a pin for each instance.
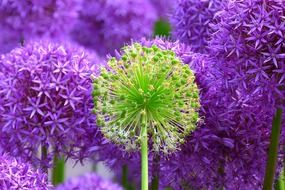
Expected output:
(144, 157)
(125, 176)
(58, 170)
(281, 181)
(155, 183)
(279, 185)
(155, 172)
(43, 157)
(94, 168)
(273, 151)
(162, 28)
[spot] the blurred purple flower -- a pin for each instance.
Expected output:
(164, 8)
(88, 182)
(191, 20)
(106, 25)
(45, 95)
(24, 20)
(19, 175)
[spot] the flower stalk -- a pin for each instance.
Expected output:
(125, 176)
(43, 157)
(144, 158)
(155, 172)
(58, 170)
(273, 151)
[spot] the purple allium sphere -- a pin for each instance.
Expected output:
(26, 20)
(251, 34)
(191, 20)
(45, 95)
(89, 181)
(106, 25)
(19, 175)
(230, 148)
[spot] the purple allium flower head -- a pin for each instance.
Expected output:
(106, 25)
(230, 148)
(19, 175)
(251, 34)
(88, 181)
(191, 22)
(45, 95)
(24, 20)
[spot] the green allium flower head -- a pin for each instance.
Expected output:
(146, 87)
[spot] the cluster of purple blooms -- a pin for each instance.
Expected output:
(255, 44)
(235, 48)
(191, 21)
(15, 174)
(45, 100)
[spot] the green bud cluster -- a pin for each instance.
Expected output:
(146, 87)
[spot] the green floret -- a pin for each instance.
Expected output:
(146, 87)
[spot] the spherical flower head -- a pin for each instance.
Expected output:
(216, 154)
(146, 87)
(191, 20)
(115, 157)
(250, 34)
(88, 182)
(46, 100)
(36, 19)
(19, 175)
(106, 25)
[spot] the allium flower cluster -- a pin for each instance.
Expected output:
(106, 25)
(191, 22)
(250, 34)
(45, 95)
(146, 87)
(230, 148)
(23, 20)
(88, 181)
(18, 175)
